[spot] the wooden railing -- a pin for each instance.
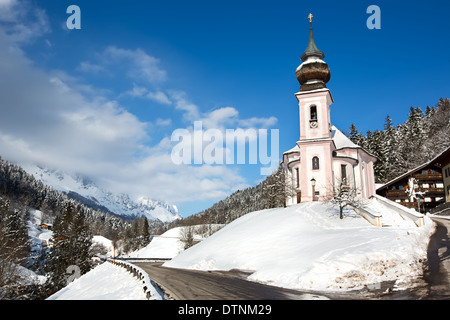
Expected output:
(405, 213)
(428, 176)
(138, 273)
(403, 193)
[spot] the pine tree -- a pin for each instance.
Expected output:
(411, 141)
(437, 124)
(135, 231)
(145, 233)
(274, 191)
(355, 136)
(72, 244)
(378, 149)
(391, 157)
(14, 249)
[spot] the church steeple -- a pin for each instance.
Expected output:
(312, 50)
(313, 73)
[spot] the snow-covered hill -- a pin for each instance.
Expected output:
(169, 244)
(105, 282)
(307, 246)
(304, 246)
(84, 190)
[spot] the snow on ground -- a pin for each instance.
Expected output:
(168, 245)
(114, 283)
(304, 246)
(105, 282)
(108, 244)
(307, 246)
(165, 246)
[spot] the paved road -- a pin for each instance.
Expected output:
(435, 284)
(181, 284)
(438, 275)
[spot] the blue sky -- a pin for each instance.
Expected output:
(104, 100)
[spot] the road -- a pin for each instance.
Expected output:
(181, 284)
(437, 276)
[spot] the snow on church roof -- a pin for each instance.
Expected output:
(294, 149)
(340, 140)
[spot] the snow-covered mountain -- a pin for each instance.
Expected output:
(84, 190)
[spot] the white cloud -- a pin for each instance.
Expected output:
(142, 92)
(221, 137)
(258, 122)
(139, 65)
(163, 122)
(4, 4)
(137, 91)
(159, 97)
(190, 111)
(22, 21)
(86, 66)
(220, 118)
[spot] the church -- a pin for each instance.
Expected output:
(323, 158)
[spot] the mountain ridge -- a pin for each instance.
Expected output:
(84, 190)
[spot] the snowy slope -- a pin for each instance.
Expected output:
(168, 245)
(165, 246)
(108, 244)
(105, 282)
(119, 204)
(307, 246)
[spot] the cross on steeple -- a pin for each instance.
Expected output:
(312, 49)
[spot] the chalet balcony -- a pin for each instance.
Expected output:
(396, 194)
(428, 177)
(432, 191)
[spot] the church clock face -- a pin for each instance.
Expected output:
(313, 124)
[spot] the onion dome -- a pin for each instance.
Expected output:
(313, 73)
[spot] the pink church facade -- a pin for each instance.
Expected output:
(324, 157)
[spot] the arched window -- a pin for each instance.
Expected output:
(315, 163)
(313, 113)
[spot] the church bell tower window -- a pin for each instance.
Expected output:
(313, 117)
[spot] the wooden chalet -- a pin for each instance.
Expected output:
(422, 188)
(46, 226)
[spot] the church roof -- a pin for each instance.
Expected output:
(340, 140)
(294, 149)
(311, 49)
